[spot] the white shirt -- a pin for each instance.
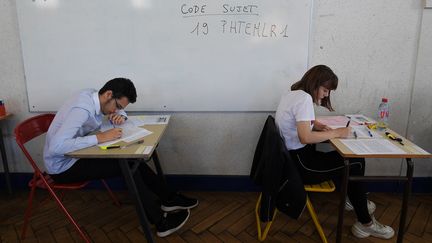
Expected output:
(295, 106)
(70, 130)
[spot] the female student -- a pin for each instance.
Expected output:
(295, 119)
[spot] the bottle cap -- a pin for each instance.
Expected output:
(384, 100)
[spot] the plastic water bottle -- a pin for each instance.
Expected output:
(2, 108)
(383, 114)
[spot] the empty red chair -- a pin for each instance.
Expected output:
(26, 131)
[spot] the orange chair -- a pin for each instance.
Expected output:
(26, 131)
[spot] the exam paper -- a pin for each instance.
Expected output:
(372, 146)
(361, 131)
(360, 119)
(149, 119)
(333, 121)
(129, 130)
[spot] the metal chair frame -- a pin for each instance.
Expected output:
(327, 186)
(26, 131)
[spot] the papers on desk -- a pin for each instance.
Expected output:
(356, 124)
(372, 146)
(130, 131)
(361, 131)
(360, 119)
(333, 121)
(149, 120)
(364, 132)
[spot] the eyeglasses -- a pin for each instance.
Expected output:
(118, 106)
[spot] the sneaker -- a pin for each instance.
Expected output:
(375, 229)
(171, 222)
(178, 201)
(371, 206)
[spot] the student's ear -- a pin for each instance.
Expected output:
(108, 94)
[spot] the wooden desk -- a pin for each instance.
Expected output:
(141, 153)
(412, 151)
(3, 154)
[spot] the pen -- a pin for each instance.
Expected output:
(348, 122)
(113, 146)
(112, 124)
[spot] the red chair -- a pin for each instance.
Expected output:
(26, 131)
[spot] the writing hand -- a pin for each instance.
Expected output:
(343, 132)
(109, 135)
(116, 119)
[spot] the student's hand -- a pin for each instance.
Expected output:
(116, 119)
(109, 135)
(343, 132)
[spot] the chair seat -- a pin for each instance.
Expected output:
(326, 186)
(54, 185)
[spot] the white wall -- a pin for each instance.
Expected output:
(420, 123)
(371, 45)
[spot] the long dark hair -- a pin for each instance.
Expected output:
(317, 76)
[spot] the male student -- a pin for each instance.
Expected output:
(70, 131)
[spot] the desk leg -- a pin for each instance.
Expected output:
(5, 163)
(133, 191)
(343, 193)
(158, 167)
(406, 195)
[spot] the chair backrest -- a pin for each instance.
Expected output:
(30, 129)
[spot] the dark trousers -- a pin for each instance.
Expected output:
(151, 188)
(316, 167)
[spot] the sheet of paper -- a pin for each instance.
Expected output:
(363, 132)
(360, 119)
(149, 119)
(336, 121)
(130, 132)
(372, 146)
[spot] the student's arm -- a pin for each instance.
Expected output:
(308, 136)
(318, 126)
(66, 138)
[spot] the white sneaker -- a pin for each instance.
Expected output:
(376, 229)
(371, 206)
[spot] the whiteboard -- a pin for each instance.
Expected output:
(181, 55)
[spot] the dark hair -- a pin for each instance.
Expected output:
(317, 76)
(121, 87)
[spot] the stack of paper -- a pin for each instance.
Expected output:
(372, 146)
(149, 119)
(130, 131)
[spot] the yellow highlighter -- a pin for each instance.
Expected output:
(110, 147)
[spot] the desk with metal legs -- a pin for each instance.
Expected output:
(3, 155)
(412, 151)
(130, 157)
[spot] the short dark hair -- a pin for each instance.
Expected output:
(317, 76)
(121, 87)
